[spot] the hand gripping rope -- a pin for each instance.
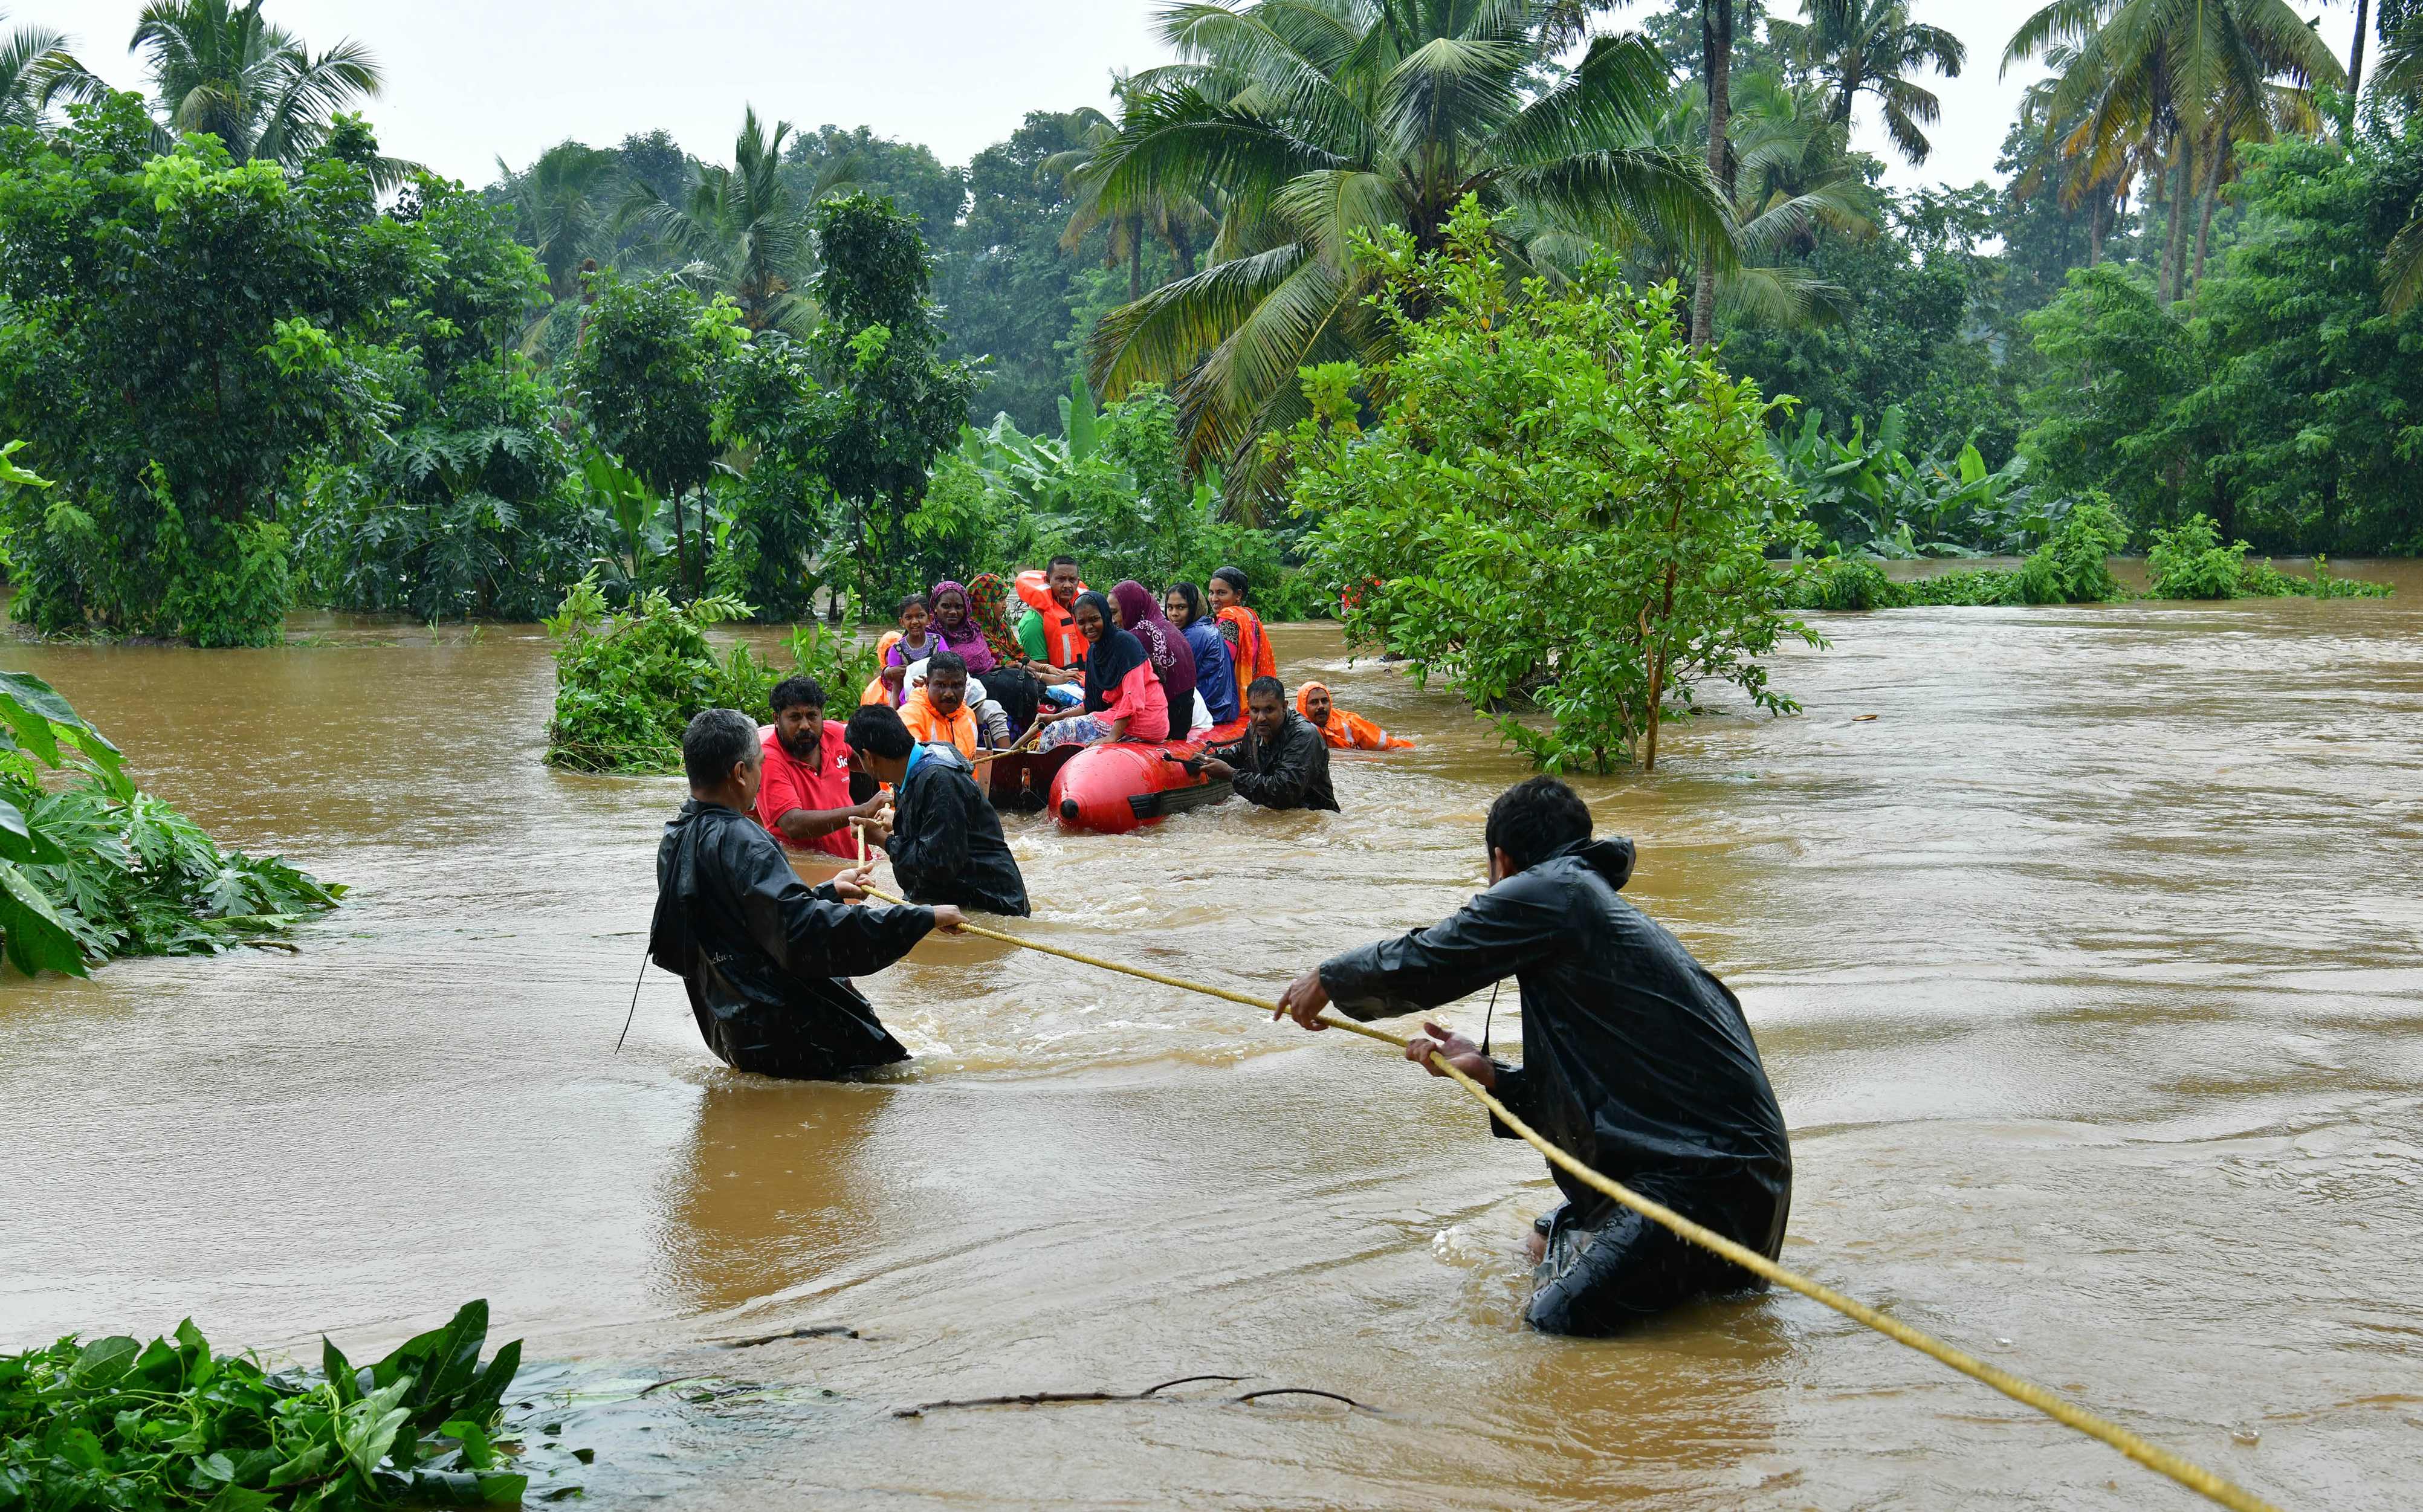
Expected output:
(2052, 1404)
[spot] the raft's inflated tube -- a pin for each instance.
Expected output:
(1099, 787)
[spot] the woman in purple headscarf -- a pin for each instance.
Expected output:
(1165, 646)
(959, 629)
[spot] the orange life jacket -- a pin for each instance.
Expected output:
(1064, 644)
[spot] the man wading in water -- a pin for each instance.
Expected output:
(1638, 1062)
(765, 958)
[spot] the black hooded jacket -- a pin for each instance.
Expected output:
(1291, 772)
(765, 957)
(946, 843)
(1637, 1060)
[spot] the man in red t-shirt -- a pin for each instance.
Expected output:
(804, 798)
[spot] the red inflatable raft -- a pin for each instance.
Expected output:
(1111, 789)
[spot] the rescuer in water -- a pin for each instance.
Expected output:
(1636, 1061)
(1282, 762)
(766, 958)
(945, 841)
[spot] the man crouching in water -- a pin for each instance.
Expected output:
(1637, 1062)
(766, 959)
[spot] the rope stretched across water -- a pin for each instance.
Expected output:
(2052, 1404)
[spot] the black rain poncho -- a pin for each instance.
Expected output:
(1636, 1060)
(946, 843)
(765, 957)
(1291, 772)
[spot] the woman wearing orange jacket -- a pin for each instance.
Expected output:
(1249, 644)
(1341, 730)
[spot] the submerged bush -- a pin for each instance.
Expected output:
(628, 684)
(2071, 568)
(170, 1425)
(99, 869)
(2189, 561)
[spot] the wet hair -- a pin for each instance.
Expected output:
(1058, 561)
(908, 601)
(1194, 597)
(945, 661)
(1270, 685)
(798, 693)
(875, 728)
(1535, 819)
(1236, 580)
(717, 741)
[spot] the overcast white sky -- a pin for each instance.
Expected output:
(469, 80)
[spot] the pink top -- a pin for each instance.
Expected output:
(1140, 700)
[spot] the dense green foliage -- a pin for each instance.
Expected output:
(171, 1425)
(2187, 562)
(1564, 504)
(92, 867)
(628, 684)
(2073, 567)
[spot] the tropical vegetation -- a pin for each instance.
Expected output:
(92, 867)
(174, 1425)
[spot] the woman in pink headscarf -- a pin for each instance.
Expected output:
(1164, 645)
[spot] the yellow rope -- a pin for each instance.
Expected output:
(2153, 1456)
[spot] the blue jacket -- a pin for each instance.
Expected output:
(1216, 675)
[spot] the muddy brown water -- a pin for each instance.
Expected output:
(2087, 971)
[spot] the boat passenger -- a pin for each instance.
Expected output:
(946, 844)
(765, 958)
(917, 641)
(1123, 696)
(1050, 634)
(937, 709)
(978, 632)
(1249, 644)
(1215, 678)
(884, 686)
(1172, 658)
(1281, 763)
(1342, 730)
(805, 799)
(1639, 1062)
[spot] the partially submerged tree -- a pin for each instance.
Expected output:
(643, 375)
(1563, 505)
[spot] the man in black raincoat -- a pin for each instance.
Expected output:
(1282, 763)
(1636, 1060)
(767, 960)
(946, 842)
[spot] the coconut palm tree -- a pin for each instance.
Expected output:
(2180, 84)
(1320, 122)
(37, 71)
(221, 69)
(560, 207)
(1871, 47)
(741, 229)
(1179, 218)
(2400, 77)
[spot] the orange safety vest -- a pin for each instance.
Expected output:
(1064, 644)
(931, 729)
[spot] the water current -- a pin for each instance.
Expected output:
(2087, 971)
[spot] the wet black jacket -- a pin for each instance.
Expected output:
(1637, 1060)
(946, 844)
(766, 959)
(1291, 772)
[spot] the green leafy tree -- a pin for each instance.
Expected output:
(2112, 365)
(891, 403)
(1317, 124)
(776, 508)
(1563, 503)
(643, 376)
(1009, 284)
(186, 330)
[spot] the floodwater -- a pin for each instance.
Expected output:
(2087, 971)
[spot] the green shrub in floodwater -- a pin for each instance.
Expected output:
(98, 868)
(2187, 562)
(171, 1426)
(628, 684)
(2071, 568)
